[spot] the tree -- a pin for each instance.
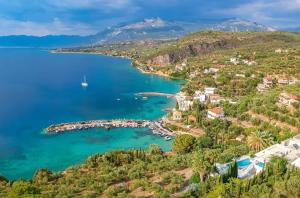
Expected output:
(293, 186)
(277, 166)
(154, 149)
(22, 188)
(204, 142)
(201, 165)
(183, 143)
(259, 140)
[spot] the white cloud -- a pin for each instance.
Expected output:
(55, 27)
(265, 11)
(92, 4)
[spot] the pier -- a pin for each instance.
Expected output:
(155, 126)
(146, 94)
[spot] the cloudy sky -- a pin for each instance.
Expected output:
(83, 17)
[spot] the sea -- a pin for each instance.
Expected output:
(39, 88)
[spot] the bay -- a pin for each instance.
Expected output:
(38, 88)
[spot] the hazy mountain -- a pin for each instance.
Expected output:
(239, 25)
(157, 28)
(154, 28)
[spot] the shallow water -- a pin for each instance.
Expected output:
(38, 88)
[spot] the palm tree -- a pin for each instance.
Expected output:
(201, 165)
(259, 140)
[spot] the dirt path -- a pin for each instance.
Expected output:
(193, 131)
(274, 122)
(239, 122)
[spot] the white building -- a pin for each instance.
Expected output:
(268, 80)
(288, 98)
(209, 90)
(176, 115)
(216, 112)
(215, 99)
(200, 96)
(210, 70)
(184, 104)
(234, 61)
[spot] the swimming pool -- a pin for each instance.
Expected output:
(260, 164)
(243, 163)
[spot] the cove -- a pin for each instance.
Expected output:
(38, 88)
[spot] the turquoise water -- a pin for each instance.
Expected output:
(243, 163)
(39, 88)
(262, 165)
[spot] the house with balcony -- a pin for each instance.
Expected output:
(216, 112)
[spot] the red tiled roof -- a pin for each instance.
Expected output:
(268, 78)
(216, 110)
(289, 95)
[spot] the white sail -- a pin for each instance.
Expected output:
(84, 82)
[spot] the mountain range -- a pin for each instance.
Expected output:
(153, 28)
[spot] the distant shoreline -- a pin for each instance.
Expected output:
(134, 63)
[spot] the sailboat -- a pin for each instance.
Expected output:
(84, 82)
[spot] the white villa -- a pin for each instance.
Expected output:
(209, 90)
(200, 96)
(267, 83)
(285, 80)
(290, 149)
(268, 80)
(216, 112)
(183, 102)
(288, 98)
(215, 99)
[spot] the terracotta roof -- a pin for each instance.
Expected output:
(289, 95)
(216, 110)
(269, 78)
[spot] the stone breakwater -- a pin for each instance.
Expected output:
(155, 126)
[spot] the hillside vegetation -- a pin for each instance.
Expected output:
(251, 72)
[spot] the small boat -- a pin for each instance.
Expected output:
(135, 98)
(118, 99)
(84, 82)
(145, 98)
(168, 138)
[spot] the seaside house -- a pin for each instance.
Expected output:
(283, 80)
(183, 102)
(209, 90)
(200, 96)
(289, 149)
(288, 98)
(216, 112)
(268, 81)
(215, 99)
(176, 115)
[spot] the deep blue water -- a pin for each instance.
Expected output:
(38, 88)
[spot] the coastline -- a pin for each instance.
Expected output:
(134, 63)
(93, 142)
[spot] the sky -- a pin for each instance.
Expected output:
(85, 17)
